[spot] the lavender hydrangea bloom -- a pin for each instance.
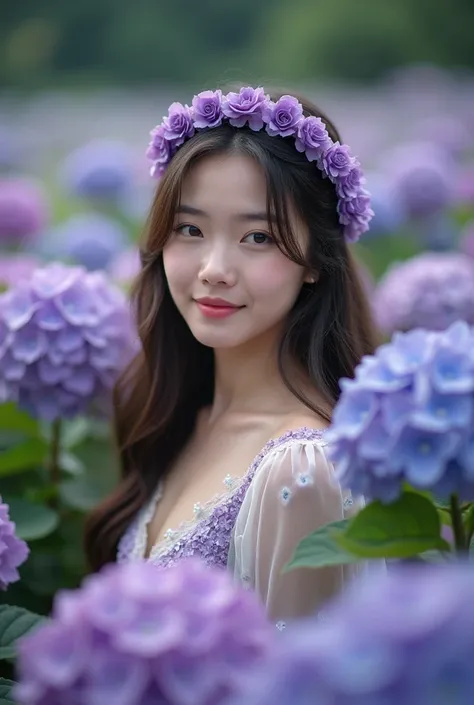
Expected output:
(99, 171)
(178, 126)
(88, 239)
(16, 267)
(244, 107)
(284, 117)
(13, 551)
(64, 337)
(406, 637)
(207, 109)
(431, 290)
(136, 634)
(23, 211)
(312, 138)
(407, 417)
(422, 179)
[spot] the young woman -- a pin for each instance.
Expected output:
(250, 310)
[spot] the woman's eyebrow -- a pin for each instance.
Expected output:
(251, 215)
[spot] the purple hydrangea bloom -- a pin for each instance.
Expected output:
(422, 179)
(125, 266)
(207, 109)
(99, 171)
(431, 290)
(407, 417)
(244, 107)
(136, 634)
(88, 239)
(312, 138)
(16, 267)
(65, 334)
(23, 211)
(178, 126)
(388, 213)
(13, 551)
(406, 637)
(284, 117)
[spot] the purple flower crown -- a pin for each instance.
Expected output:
(252, 107)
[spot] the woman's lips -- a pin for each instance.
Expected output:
(217, 310)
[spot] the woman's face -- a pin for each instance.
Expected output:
(226, 275)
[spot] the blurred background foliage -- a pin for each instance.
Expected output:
(51, 42)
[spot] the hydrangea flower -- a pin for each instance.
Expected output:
(407, 417)
(99, 171)
(87, 239)
(16, 267)
(406, 637)
(431, 290)
(13, 551)
(388, 213)
(65, 334)
(137, 634)
(422, 179)
(23, 211)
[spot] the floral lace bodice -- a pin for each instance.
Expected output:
(254, 525)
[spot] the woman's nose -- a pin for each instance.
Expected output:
(217, 267)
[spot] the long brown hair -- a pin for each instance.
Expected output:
(159, 395)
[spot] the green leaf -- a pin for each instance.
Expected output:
(12, 419)
(468, 520)
(23, 457)
(33, 521)
(320, 549)
(100, 475)
(405, 528)
(70, 463)
(6, 687)
(15, 623)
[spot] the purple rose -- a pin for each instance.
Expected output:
(160, 148)
(350, 186)
(355, 209)
(284, 117)
(207, 107)
(337, 161)
(245, 106)
(312, 138)
(178, 126)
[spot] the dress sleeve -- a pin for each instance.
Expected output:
(293, 493)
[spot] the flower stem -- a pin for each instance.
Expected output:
(458, 526)
(53, 465)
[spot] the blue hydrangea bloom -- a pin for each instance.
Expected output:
(65, 335)
(89, 239)
(138, 634)
(99, 171)
(13, 551)
(406, 637)
(408, 417)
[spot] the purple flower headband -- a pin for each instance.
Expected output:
(284, 119)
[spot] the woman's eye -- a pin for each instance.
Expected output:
(258, 238)
(188, 230)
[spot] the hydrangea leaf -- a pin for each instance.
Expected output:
(15, 623)
(320, 548)
(32, 521)
(407, 527)
(24, 456)
(6, 687)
